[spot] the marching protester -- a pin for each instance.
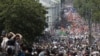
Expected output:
(10, 45)
(13, 45)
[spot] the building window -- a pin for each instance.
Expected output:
(47, 19)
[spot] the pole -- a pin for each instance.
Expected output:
(89, 22)
(90, 28)
(89, 17)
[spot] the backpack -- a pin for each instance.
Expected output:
(10, 51)
(10, 46)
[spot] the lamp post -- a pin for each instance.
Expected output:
(89, 18)
(90, 28)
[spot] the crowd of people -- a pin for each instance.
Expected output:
(64, 47)
(12, 45)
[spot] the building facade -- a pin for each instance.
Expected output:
(52, 7)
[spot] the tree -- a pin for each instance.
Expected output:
(23, 16)
(88, 8)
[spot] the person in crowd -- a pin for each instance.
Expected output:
(18, 42)
(42, 53)
(1, 37)
(10, 45)
(22, 50)
(4, 41)
(29, 51)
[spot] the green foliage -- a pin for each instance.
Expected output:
(23, 16)
(88, 8)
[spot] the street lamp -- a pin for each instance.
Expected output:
(89, 22)
(89, 18)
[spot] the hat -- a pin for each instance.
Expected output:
(20, 36)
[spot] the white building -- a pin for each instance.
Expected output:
(53, 12)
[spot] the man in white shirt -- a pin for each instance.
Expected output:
(3, 44)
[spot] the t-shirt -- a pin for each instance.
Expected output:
(3, 44)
